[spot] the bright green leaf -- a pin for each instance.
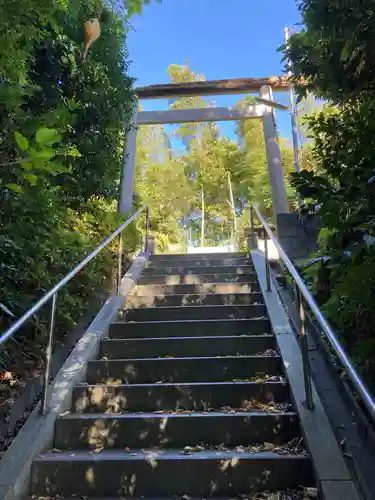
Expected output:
(25, 165)
(47, 136)
(45, 154)
(21, 141)
(72, 151)
(59, 168)
(14, 187)
(32, 178)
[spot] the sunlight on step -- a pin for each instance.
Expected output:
(273, 254)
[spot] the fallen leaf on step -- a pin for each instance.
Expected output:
(199, 448)
(268, 446)
(96, 451)
(311, 492)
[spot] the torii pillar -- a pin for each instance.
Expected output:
(275, 167)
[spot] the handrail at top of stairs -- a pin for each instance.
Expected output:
(302, 291)
(52, 294)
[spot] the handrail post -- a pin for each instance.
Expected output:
(119, 262)
(268, 276)
(304, 351)
(252, 227)
(147, 227)
(48, 358)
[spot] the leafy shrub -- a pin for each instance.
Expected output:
(333, 57)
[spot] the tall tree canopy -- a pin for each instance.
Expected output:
(211, 163)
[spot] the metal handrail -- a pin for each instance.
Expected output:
(357, 381)
(52, 294)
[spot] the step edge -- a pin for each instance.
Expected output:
(192, 414)
(190, 358)
(176, 454)
(206, 337)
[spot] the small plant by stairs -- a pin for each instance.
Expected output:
(187, 397)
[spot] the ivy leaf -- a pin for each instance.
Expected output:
(25, 165)
(14, 187)
(21, 141)
(59, 168)
(32, 178)
(72, 151)
(47, 136)
(45, 154)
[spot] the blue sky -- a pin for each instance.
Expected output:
(220, 38)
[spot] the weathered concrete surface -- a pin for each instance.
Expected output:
(338, 490)
(186, 346)
(187, 396)
(114, 473)
(297, 238)
(37, 433)
(171, 313)
(186, 300)
(166, 430)
(325, 452)
(153, 329)
(180, 370)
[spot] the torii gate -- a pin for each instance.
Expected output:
(262, 109)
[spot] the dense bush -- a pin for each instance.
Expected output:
(62, 120)
(333, 56)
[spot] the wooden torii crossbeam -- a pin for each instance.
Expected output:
(212, 87)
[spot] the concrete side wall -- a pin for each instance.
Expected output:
(37, 433)
(298, 238)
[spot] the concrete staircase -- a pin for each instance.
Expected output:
(187, 396)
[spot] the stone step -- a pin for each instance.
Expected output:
(186, 346)
(198, 270)
(198, 256)
(188, 396)
(202, 262)
(155, 473)
(210, 299)
(189, 328)
(197, 279)
(201, 288)
(166, 430)
(171, 313)
(177, 370)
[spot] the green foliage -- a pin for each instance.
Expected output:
(190, 133)
(333, 52)
(333, 56)
(61, 152)
(136, 6)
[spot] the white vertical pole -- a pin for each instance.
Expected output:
(275, 167)
(127, 180)
(293, 113)
(234, 235)
(202, 222)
